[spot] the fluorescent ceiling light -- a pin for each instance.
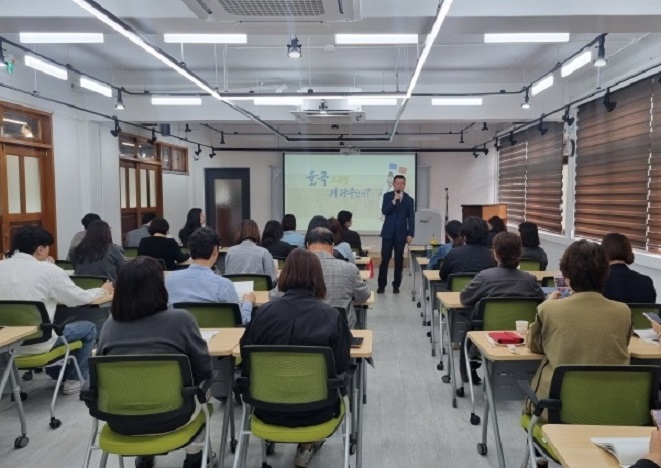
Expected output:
(525, 37)
(542, 84)
(373, 102)
(114, 23)
(443, 10)
(375, 39)
(176, 100)
(457, 101)
(46, 67)
(60, 38)
(321, 96)
(18, 122)
(577, 62)
(278, 101)
(95, 86)
(206, 38)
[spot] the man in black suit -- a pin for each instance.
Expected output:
(397, 231)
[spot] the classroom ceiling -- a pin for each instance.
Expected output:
(460, 61)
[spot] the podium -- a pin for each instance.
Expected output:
(485, 211)
(428, 224)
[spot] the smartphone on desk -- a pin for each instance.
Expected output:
(357, 341)
(652, 317)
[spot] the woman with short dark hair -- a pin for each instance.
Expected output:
(584, 328)
(194, 219)
(622, 283)
(453, 231)
(96, 255)
(247, 257)
(341, 247)
(530, 242)
(495, 225)
(272, 240)
(301, 318)
(161, 247)
(141, 323)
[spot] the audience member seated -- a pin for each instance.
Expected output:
(530, 242)
(472, 257)
(96, 255)
(319, 221)
(134, 237)
(301, 318)
(622, 283)
(341, 247)
(142, 323)
(248, 258)
(453, 231)
(505, 280)
(349, 236)
(78, 237)
(291, 236)
(161, 247)
(653, 458)
(194, 220)
(343, 282)
(272, 240)
(495, 225)
(198, 283)
(584, 328)
(26, 275)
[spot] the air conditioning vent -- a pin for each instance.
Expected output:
(275, 10)
(329, 117)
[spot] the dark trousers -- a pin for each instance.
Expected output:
(387, 246)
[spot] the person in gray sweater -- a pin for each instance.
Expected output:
(141, 323)
(96, 255)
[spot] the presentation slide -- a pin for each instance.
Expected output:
(324, 184)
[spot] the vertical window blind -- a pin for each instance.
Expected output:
(612, 165)
(512, 178)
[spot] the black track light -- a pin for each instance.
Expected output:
(566, 118)
(222, 138)
(511, 139)
(497, 145)
(608, 104)
(526, 101)
(152, 140)
(117, 129)
(540, 126)
(601, 61)
(199, 149)
(119, 105)
(212, 154)
(187, 130)
(2, 55)
(484, 127)
(294, 48)
(461, 138)
(475, 153)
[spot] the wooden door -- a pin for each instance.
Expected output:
(140, 192)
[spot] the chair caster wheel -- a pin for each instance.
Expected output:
(460, 392)
(428, 323)
(445, 379)
(439, 366)
(428, 334)
(352, 448)
(24, 396)
(475, 419)
(482, 449)
(265, 465)
(27, 376)
(233, 444)
(55, 423)
(419, 304)
(21, 442)
(270, 448)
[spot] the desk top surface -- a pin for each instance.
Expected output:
(422, 261)
(263, 297)
(543, 274)
(431, 275)
(417, 248)
(9, 335)
(224, 341)
(573, 446)
(365, 350)
(450, 300)
(363, 260)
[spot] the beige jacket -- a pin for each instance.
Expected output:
(585, 328)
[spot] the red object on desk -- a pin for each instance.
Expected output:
(506, 338)
(370, 267)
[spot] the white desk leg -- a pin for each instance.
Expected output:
(425, 286)
(432, 303)
(489, 372)
(450, 377)
(359, 413)
(229, 412)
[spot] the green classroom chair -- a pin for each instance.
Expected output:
(213, 314)
(289, 379)
(458, 281)
(625, 397)
(88, 282)
(22, 313)
(530, 264)
(130, 252)
(638, 319)
(281, 262)
(548, 282)
(141, 395)
(64, 264)
(261, 282)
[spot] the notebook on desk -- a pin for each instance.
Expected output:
(647, 334)
(505, 338)
(627, 450)
(244, 287)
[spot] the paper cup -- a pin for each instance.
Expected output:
(521, 327)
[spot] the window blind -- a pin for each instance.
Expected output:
(512, 178)
(654, 205)
(612, 165)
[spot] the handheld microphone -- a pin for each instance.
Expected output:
(398, 201)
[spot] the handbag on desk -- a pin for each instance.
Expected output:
(506, 338)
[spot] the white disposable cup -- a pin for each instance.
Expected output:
(521, 326)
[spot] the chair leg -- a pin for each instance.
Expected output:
(207, 436)
(347, 433)
(530, 445)
(121, 461)
(104, 460)
(526, 458)
(77, 367)
(243, 441)
(264, 453)
(88, 454)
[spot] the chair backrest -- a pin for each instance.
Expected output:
(65, 264)
(458, 281)
(501, 313)
(548, 282)
(289, 378)
(213, 314)
(281, 262)
(355, 250)
(261, 282)
(130, 252)
(638, 319)
(24, 313)
(163, 264)
(88, 282)
(530, 264)
(185, 250)
(142, 394)
(605, 395)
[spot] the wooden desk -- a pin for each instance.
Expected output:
(639, 349)
(364, 275)
(450, 300)
(415, 251)
(430, 280)
(363, 261)
(543, 274)
(262, 297)
(224, 342)
(575, 450)
(11, 335)
(422, 261)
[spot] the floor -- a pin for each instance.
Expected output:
(408, 421)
